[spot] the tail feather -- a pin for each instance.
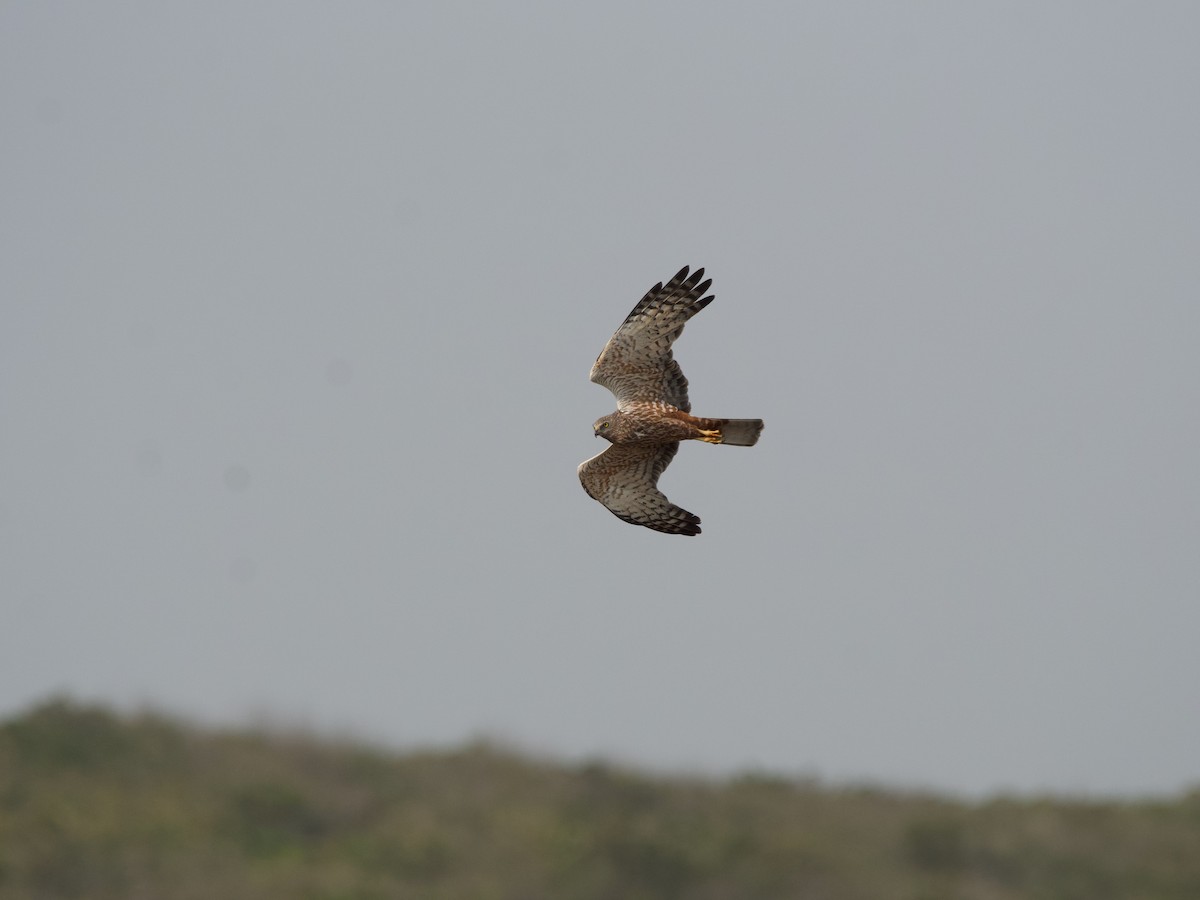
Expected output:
(739, 432)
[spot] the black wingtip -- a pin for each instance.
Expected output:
(689, 526)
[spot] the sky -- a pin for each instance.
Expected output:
(300, 299)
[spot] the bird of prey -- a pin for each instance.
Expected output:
(653, 413)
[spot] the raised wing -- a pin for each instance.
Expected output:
(636, 363)
(625, 479)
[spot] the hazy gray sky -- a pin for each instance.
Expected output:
(299, 302)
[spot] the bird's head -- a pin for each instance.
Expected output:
(605, 427)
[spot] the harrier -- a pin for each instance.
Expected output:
(653, 412)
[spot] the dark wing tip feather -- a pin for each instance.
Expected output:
(685, 524)
(689, 527)
(692, 285)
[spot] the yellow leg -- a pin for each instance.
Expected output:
(710, 437)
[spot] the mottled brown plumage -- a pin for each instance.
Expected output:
(653, 412)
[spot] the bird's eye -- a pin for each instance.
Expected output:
(603, 425)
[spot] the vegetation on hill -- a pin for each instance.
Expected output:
(94, 805)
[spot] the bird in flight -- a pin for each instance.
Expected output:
(653, 413)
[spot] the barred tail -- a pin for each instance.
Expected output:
(738, 432)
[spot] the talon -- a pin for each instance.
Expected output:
(711, 437)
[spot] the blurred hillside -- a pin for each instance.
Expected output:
(101, 806)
